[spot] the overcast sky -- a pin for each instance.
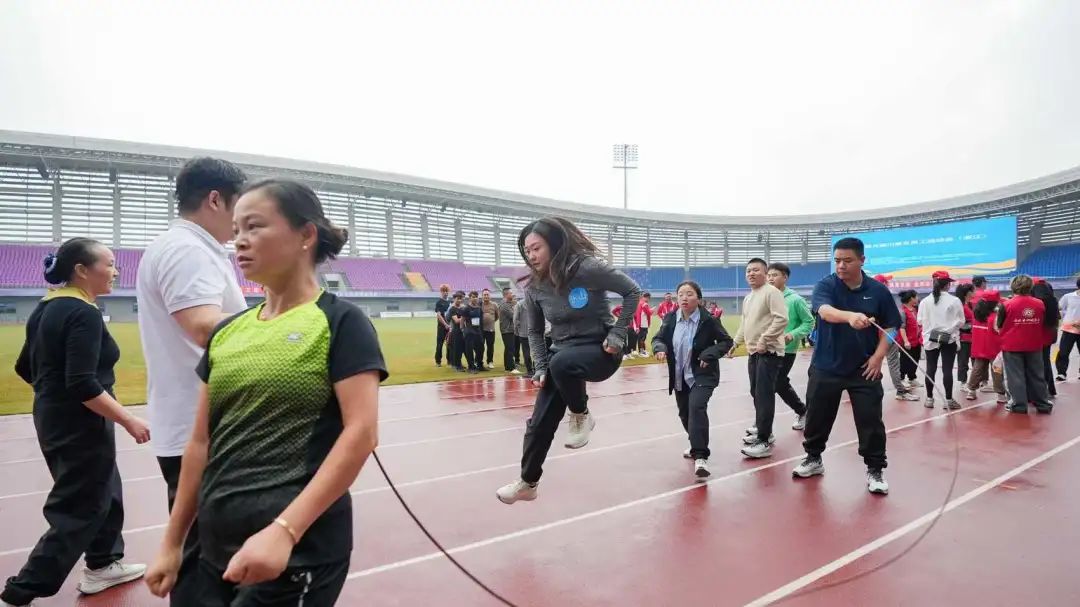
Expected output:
(739, 108)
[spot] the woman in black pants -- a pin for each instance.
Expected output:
(966, 294)
(692, 342)
(1045, 293)
(941, 315)
(567, 286)
(69, 357)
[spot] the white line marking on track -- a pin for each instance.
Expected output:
(899, 532)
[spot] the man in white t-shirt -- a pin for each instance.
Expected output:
(185, 286)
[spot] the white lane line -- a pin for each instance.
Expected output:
(896, 534)
(633, 503)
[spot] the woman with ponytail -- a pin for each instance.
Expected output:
(941, 315)
(287, 417)
(567, 286)
(68, 358)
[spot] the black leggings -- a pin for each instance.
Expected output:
(947, 353)
(1048, 371)
(908, 367)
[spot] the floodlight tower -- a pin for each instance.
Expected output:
(626, 158)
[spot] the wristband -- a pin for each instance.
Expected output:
(288, 528)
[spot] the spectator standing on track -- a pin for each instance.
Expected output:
(1020, 324)
(287, 417)
(966, 294)
(800, 323)
(985, 347)
(521, 334)
(442, 326)
(1045, 293)
(911, 338)
(892, 359)
(186, 285)
(506, 328)
(692, 342)
(1070, 330)
(68, 357)
(764, 320)
(567, 287)
(848, 355)
(456, 344)
(491, 315)
(979, 282)
(941, 315)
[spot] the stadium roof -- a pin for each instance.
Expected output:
(98, 153)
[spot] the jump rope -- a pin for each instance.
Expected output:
(805, 591)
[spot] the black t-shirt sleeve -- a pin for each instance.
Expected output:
(354, 345)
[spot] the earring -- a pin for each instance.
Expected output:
(305, 247)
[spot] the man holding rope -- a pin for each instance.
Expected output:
(853, 312)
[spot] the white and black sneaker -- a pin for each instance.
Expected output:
(800, 423)
(1060, 377)
(750, 439)
(952, 404)
(929, 403)
(758, 450)
(908, 396)
(875, 482)
(971, 394)
(701, 469)
(752, 430)
(810, 466)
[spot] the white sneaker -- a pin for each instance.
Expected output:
(515, 372)
(517, 491)
(758, 450)
(971, 394)
(988, 389)
(97, 580)
(752, 430)
(800, 424)
(810, 466)
(929, 404)
(491, 365)
(750, 439)
(952, 404)
(876, 483)
(908, 396)
(581, 426)
(686, 454)
(626, 357)
(701, 469)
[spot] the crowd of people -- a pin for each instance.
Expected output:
(262, 417)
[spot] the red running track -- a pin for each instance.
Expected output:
(622, 522)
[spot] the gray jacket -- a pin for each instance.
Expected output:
(506, 316)
(582, 314)
(521, 319)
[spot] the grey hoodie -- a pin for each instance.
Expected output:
(582, 314)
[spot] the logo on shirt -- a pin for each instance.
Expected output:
(579, 298)
(294, 338)
(1028, 313)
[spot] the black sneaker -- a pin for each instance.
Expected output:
(1044, 409)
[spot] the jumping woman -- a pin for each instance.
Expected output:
(567, 286)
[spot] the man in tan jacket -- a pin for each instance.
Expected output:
(764, 320)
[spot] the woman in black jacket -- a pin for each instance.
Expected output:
(69, 357)
(692, 342)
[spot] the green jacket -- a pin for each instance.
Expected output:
(800, 320)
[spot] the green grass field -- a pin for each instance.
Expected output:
(407, 344)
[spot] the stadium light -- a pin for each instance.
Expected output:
(625, 158)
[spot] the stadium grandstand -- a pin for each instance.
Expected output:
(410, 234)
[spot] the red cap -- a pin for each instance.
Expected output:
(883, 279)
(941, 275)
(991, 296)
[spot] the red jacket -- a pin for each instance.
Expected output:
(969, 318)
(643, 316)
(985, 341)
(717, 312)
(911, 327)
(665, 308)
(1022, 330)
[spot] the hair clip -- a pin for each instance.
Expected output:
(50, 262)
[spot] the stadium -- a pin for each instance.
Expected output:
(410, 234)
